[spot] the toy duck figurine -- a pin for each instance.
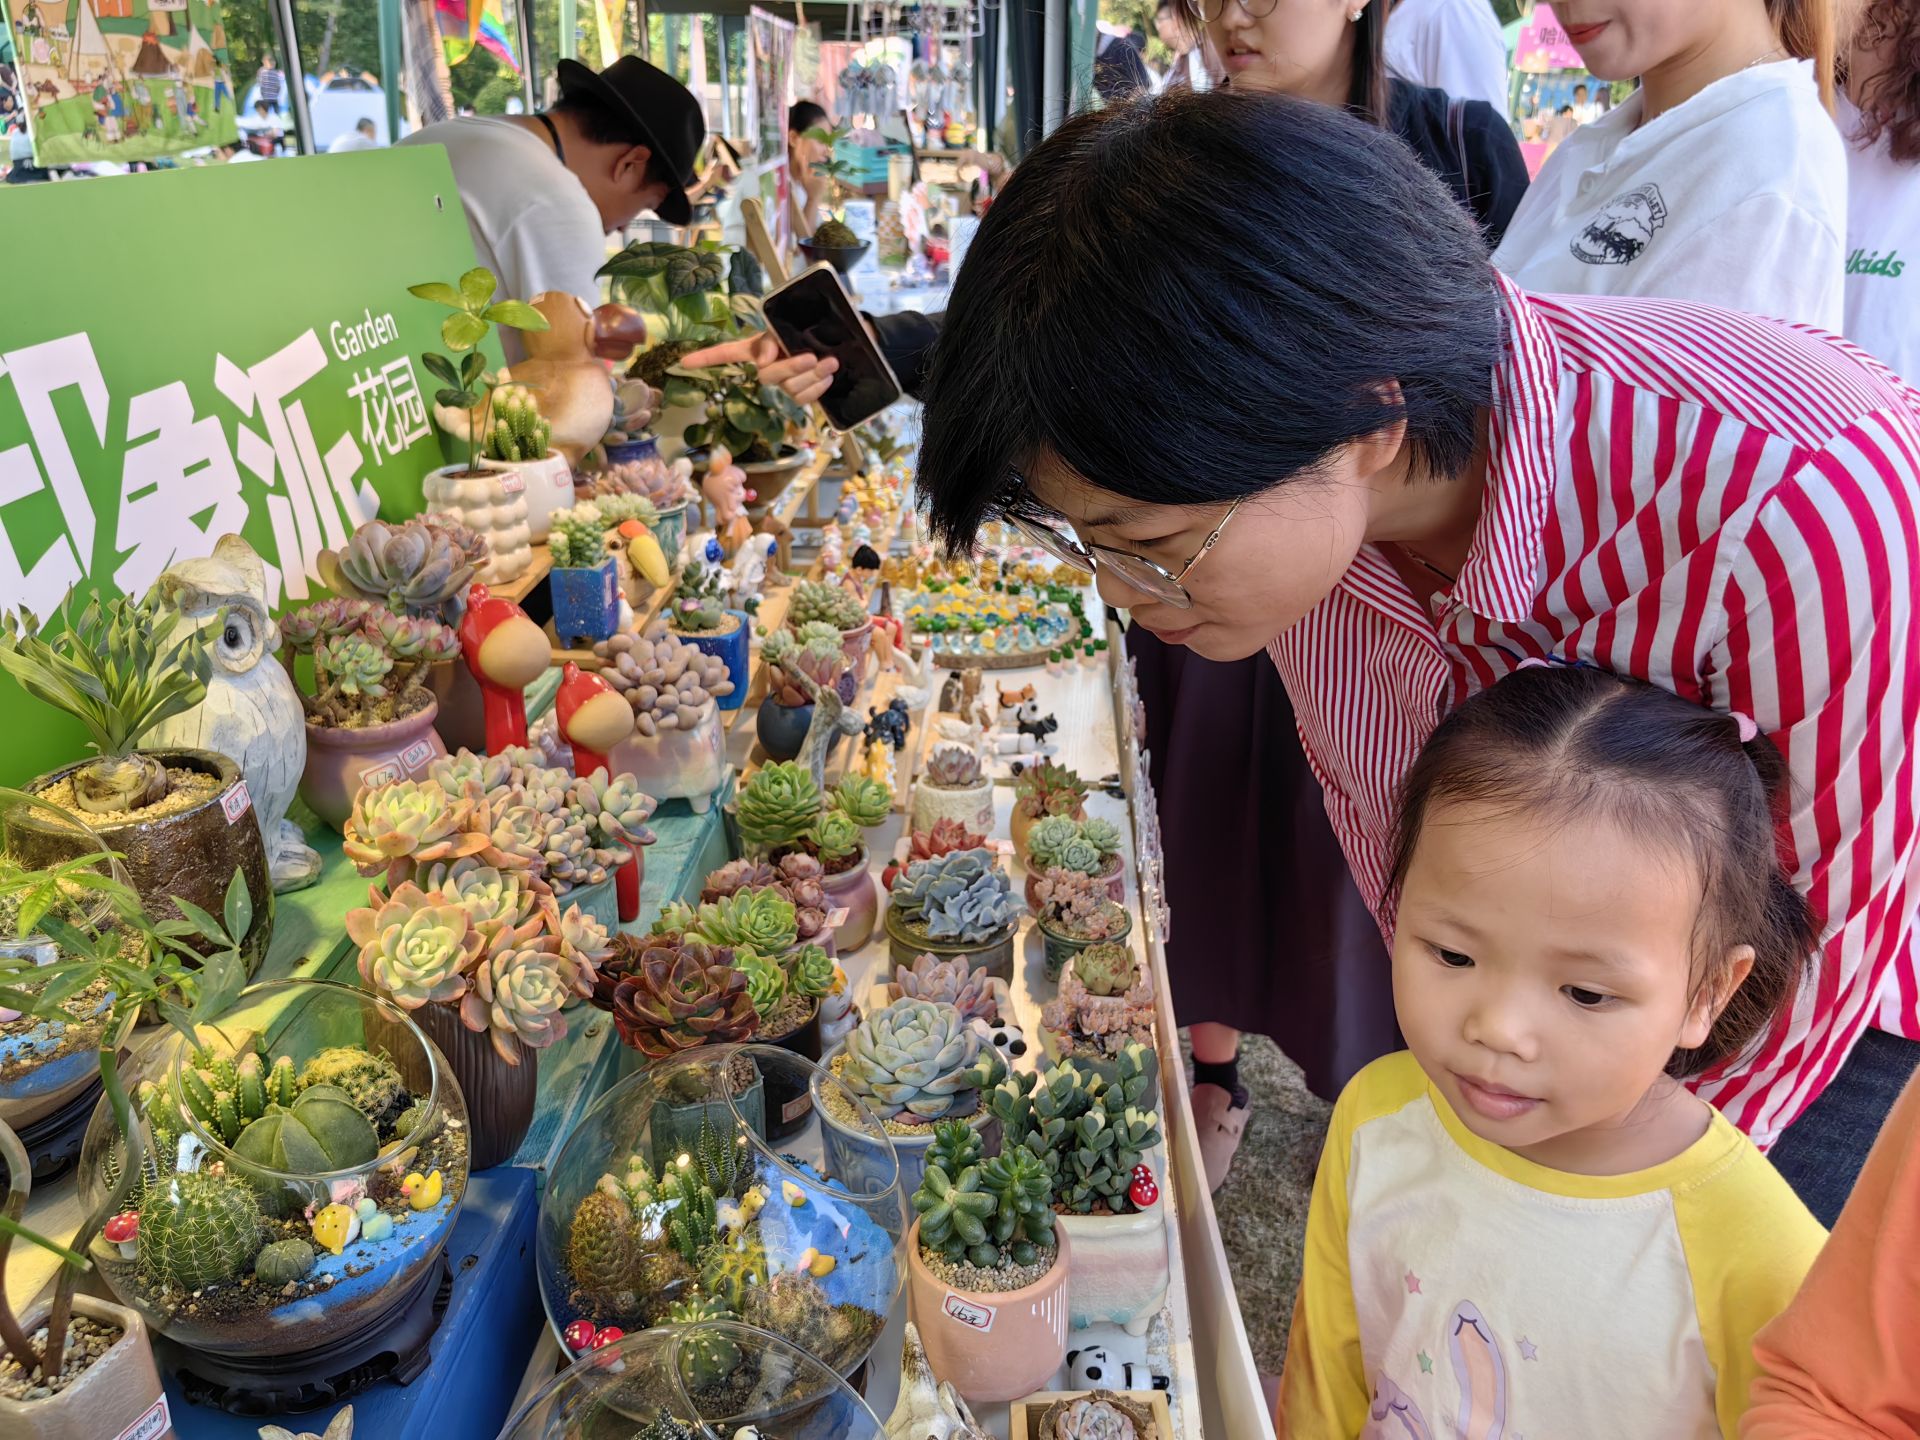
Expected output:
(336, 1226)
(594, 718)
(506, 653)
(422, 1192)
(725, 486)
(563, 365)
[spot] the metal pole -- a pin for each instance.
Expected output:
(524, 24)
(642, 46)
(391, 65)
(726, 88)
(304, 140)
(569, 30)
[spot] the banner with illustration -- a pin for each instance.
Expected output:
(150, 404)
(770, 84)
(122, 80)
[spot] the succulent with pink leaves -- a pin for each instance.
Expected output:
(369, 663)
(402, 826)
(415, 948)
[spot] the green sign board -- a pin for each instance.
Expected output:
(194, 352)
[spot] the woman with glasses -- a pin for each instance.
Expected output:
(1332, 433)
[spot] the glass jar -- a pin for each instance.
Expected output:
(668, 1205)
(303, 1167)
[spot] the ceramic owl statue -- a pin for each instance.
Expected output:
(252, 713)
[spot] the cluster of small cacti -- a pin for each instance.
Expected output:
(670, 684)
(827, 601)
(228, 1096)
(372, 1082)
(1088, 1131)
(196, 1229)
(519, 432)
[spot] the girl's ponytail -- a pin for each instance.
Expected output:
(1808, 31)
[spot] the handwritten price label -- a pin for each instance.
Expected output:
(837, 917)
(970, 1313)
(379, 775)
(236, 802)
(416, 755)
(795, 1108)
(151, 1425)
(512, 483)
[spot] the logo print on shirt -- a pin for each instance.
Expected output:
(1622, 229)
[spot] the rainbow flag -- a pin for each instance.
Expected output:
(466, 23)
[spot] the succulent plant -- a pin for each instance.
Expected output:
(976, 995)
(1093, 1418)
(834, 837)
(506, 906)
(779, 805)
(758, 920)
(669, 993)
(963, 897)
(617, 510)
(1057, 843)
(699, 603)
(803, 662)
(518, 431)
(669, 683)
(707, 1357)
(766, 982)
(946, 837)
(354, 666)
(578, 539)
(953, 767)
(810, 971)
(614, 809)
(1089, 1130)
(917, 1061)
(828, 602)
(864, 801)
(415, 948)
(282, 1263)
(1049, 789)
(584, 944)
(196, 1229)
(419, 567)
(322, 1130)
(1079, 905)
(371, 1081)
(1106, 969)
(1105, 1004)
(397, 827)
(517, 994)
(985, 1214)
(666, 485)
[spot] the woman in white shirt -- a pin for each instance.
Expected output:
(1721, 180)
(1880, 118)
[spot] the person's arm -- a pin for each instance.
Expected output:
(1792, 264)
(1496, 171)
(1843, 1360)
(1323, 1389)
(906, 340)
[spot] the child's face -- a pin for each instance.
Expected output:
(1543, 975)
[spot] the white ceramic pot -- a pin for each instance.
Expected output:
(972, 807)
(483, 503)
(677, 763)
(547, 485)
(119, 1394)
(1120, 1269)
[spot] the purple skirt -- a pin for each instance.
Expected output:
(1270, 934)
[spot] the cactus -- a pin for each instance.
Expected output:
(372, 1082)
(779, 805)
(731, 1270)
(196, 1230)
(282, 1263)
(825, 601)
(227, 1097)
(693, 1223)
(323, 1130)
(602, 1253)
(1106, 969)
(963, 897)
(948, 982)
(953, 767)
(916, 1061)
(578, 539)
(705, 1359)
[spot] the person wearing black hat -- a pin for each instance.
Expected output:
(542, 191)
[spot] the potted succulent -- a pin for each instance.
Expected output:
(744, 416)
(1045, 789)
(699, 614)
(677, 748)
(1096, 1133)
(828, 602)
(856, 804)
(1086, 847)
(796, 878)
(833, 239)
(1077, 1414)
(484, 961)
(631, 520)
(988, 1269)
(956, 905)
(975, 994)
(180, 817)
(668, 487)
(1073, 911)
(786, 991)
(519, 446)
(777, 807)
(1105, 1005)
(794, 658)
(943, 838)
(585, 581)
(911, 1065)
(474, 495)
(370, 715)
(955, 786)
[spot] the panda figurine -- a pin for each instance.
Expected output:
(1006, 1038)
(1094, 1368)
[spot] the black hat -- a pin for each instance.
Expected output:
(664, 112)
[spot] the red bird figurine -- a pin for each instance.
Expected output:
(506, 653)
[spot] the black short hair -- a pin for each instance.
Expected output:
(1193, 298)
(599, 119)
(804, 115)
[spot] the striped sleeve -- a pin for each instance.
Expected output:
(1819, 647)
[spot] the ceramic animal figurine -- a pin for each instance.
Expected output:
(252, 713)
(749, 567)
(838, 1013)
(1097, 1367)
(506, 652)
(890, 724)
(576, 395)
(593, 718)
(336, 1227)
(928, 1409)
(338, 1428)
(1009, 1039)
(725, 486)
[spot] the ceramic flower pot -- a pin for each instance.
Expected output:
(993, 1346)
(994, 955)
(1113, 874)
(586, 601)
(789, 1100)
(730, 646)
(546, 484)
(1062, 947)
(462, 717)
(339, 761)
(856, 1158)
(483, 502)
(600, 901)
(782, 728)
(119, 1394)
(683, 764)
(1120, 1269)
(676, 1126)
(671, 531)
(1020, 825)
(642, 447)
(854, 890)
(499, 1096)
(971, 807)
(841, 257)
(767, 478)
(857, 644)
(190, 853)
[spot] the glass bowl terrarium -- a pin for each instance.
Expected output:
(668, 1206)
(717, 1380)
(303, 1166)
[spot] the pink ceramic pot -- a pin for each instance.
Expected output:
(462, 721)
(856, 645)
(993, 1347)
(853, 889)
(119, 1394)
(339, 762)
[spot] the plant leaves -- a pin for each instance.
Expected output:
(471, 369)
(239, 907)
(648, 257)
(461, 332)
(457, 399)
(441, 368)
(438, 292)
(208, 927)
(477, 287)
(518, 314)
(222, 977)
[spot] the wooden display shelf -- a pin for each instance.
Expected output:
(524, 585)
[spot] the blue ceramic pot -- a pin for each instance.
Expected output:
(671, 531)
(782, 728)
(621, 451)
(732, 649)
(586, 602)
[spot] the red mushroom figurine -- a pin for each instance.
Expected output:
(123, 1230)
(594, 717)
(601, 1341)
(580, 1335)
(1145, 1190)
(506, 653)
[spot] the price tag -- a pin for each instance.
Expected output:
(154, 1423)
(236, 802)
(379, 775)
(801, 1104)
(512, 482)
(837, 917)
(416, 755)
(970, 1313)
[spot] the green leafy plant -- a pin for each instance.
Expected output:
(475, 312)
(1087, 1130)
(834, 233)
(119, 668)
(682, 292)
(750, 418)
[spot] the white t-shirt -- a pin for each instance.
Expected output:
(1883, 250)
(1737, 198)
(533, 224)
(351, 142)
(1452, 45)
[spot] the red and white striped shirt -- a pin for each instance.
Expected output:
(1720, 504)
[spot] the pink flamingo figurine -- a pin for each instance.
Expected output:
(593, 719)
(506, 653)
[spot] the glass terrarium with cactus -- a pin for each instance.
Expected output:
(121, 668)
(640, 1227)
(956, 905)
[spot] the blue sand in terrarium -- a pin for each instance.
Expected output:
(367, 1266)
(55, 1074)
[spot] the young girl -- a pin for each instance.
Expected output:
(1524, 1225)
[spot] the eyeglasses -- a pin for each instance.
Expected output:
(1211, 10)
(1053, 533)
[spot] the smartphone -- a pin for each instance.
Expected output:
(811, 315)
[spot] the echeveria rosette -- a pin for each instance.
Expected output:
(517, 993)
(962, 897)
(954, 982)
(778, 807)
(810, 972)
(615, 810)
(572, 861)
(585, 945)
(517, 837)
(759, 920)
(668, 993)
(415, 948)
(465, 775)
(834, 836)
(863, 800)
(407, 637)
(766, 982)
(354, 665)
(918, 1060)
(506, 906)
(399, 827)
(418, 567)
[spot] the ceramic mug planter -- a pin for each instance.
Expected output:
(1062, 947)
(857, 644)
(586, 601)
(677, 764)
(118, 1394)
(994, 955)
(782, 728)
(854, 1156)
(671, 531)
(1120, 1268)
(1020, 825)
(994, 1346)
(641, 447)
(340, 761)
(730, 646)
(789, 1102)
(484, 503)
(854, 890)
(1113, 874)
(971, 807)
(499, 1096)
(546, 484)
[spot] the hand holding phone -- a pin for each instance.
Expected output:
(811, 315)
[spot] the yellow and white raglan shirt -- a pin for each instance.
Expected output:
(1454, 1289)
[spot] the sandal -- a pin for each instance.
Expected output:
(1219, 1125)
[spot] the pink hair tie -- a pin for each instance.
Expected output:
(1749, 732)
(1534, 662)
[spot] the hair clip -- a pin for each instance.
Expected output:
(1749, 731)
(1534, 662)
